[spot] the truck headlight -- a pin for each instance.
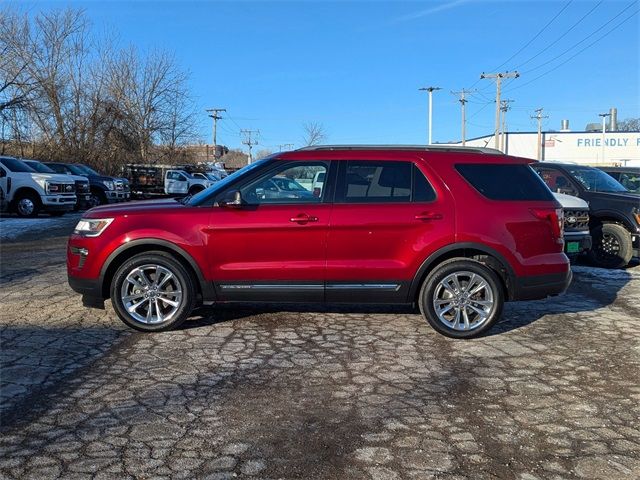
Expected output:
(92, 227)
(109, 184)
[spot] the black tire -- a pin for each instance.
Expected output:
(463, 268)
(194, 190)
(97, 198)
(612, 247)
(56, 214)
(27, 205)
(182, 279)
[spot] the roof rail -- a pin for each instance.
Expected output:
(424, 148)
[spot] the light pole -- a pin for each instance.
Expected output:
(430, 119)
(604, 129)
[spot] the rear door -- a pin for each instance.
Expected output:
(387, 217)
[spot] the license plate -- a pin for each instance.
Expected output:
(573, 247)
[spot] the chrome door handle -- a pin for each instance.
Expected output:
(303, 218)
(429, 216)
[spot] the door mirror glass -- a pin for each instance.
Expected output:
(231, 199)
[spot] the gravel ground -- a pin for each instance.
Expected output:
(551, 392)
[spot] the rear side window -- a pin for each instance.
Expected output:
(505, 182)
(383, 182)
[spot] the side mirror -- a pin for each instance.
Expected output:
(231, 199)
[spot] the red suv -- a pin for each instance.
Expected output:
(456, 231)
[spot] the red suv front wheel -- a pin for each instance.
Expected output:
(152, 292)
(461, 298)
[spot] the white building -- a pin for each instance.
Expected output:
(586, 147)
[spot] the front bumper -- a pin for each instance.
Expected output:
(114, 196)
(537, 287)
(90, 289)
(576, 243)
(58, 203)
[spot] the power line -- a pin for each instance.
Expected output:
(498, 78)
(535, 36)
(576, 54)
(584, 39)
(561, 36)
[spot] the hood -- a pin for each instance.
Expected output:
(134, 208)
(627, 197)
(569, 201)
(51, 177)
(100, 178)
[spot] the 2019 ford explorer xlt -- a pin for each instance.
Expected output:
(456, 231)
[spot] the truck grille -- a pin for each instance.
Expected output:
(82, 187)
(576, 220)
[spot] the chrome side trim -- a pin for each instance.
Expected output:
(271, 287)
(393, 287)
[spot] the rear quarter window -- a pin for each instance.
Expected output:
(505, 182)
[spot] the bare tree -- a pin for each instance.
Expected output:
(629, 125)
(314, 134)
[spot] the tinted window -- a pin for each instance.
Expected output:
(15, 165)
(422, 189)
(367, 182)
(505, 182)
(556, 181)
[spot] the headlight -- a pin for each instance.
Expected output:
(109, 184)
(90, 227)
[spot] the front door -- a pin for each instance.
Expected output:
(175, 183)
(387, 218)
(273, 246)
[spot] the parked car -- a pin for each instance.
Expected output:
(83, 195)
(457, 231)
(281, 188)
(629, 177)
(29, 192)
(614, 212)
(103, 188)
(152, 180)
(317, 183)
(577, 237)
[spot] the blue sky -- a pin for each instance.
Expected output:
(356, 66)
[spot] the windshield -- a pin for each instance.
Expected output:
(40, 167)
(15, 165)
(202, 196)
(84, 169)
(76, 170)
(595, 180)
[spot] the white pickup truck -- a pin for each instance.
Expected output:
(147, 181)
(179, 182)
(28, 192)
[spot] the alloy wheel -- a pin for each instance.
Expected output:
(463, 301)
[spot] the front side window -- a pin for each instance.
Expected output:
(290, 183)
(630, 181)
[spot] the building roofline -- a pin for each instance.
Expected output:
(554, 132)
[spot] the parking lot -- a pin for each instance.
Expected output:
(338, 393)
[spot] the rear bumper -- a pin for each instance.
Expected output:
(90, 289)
(541, 286)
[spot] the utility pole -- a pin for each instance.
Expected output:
(538, 116)
(247, 140)
(430, 90)
(504, 107)
(463, 103)
(498, 78)
(604, 129)
(213, 113)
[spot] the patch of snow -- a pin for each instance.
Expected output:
(14, 227)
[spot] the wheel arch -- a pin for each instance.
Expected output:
(482, 253)
(204, 289)
(600, 218)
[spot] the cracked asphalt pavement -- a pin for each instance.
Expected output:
(343, 393)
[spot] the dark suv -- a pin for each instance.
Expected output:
(104, 189)
(455, 231)
(614, 212)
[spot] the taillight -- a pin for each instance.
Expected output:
(555, 216)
